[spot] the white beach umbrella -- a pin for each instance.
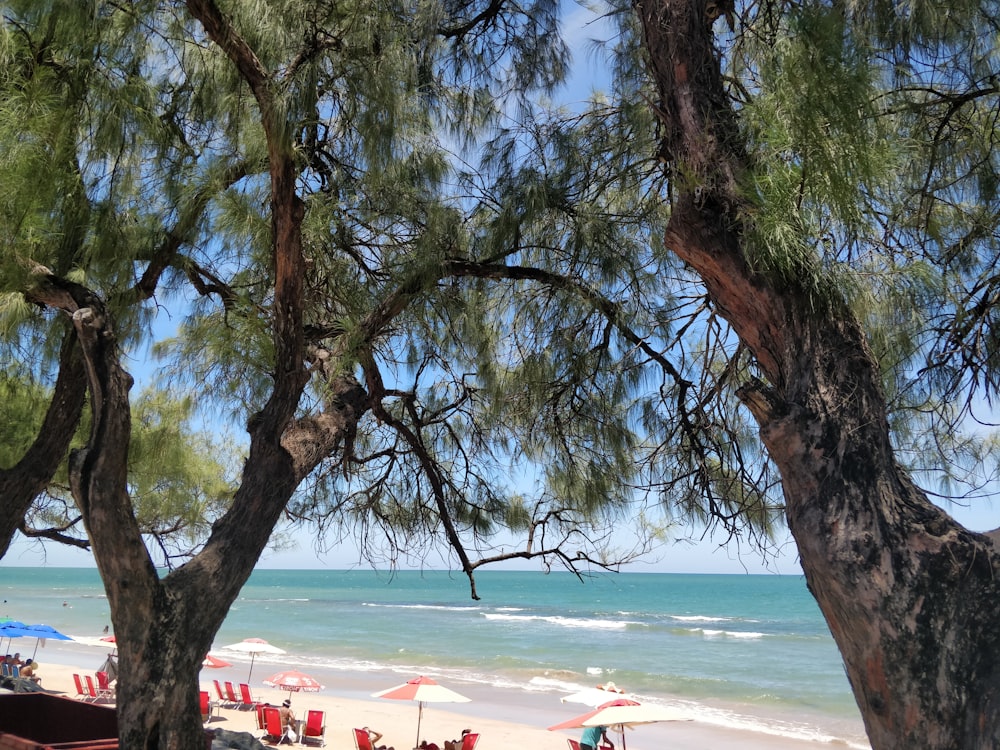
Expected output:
(423, 690)
(621, 713)
(595, 696)
(254, 646)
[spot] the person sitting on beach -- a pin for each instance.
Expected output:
(29, 669)
(456, 744)
(289, 726)
(592, 736)
(16, 659)
(374, 737)
(425, 745)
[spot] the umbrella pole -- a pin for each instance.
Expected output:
(252, 655)
(420, 715)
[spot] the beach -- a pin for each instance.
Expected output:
(504, 719)
(748, 658)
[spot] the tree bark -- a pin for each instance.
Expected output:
(910, 596)
(22, 483)
(165, 626)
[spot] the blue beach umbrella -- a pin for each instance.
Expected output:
(41, 632)
(10, 630)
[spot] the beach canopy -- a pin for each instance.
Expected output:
(621, 713)
(254, 646)
(293, 681)
(423, 690)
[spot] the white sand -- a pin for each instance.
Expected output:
(504, 719)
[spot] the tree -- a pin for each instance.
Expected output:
(277, 175)
(904, 588)
(401, 334)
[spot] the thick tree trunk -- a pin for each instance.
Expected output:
(22, 483)
(165, 626)
(909, 595)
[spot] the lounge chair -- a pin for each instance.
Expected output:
(91, 690)
(246, 698)
(81, 691)
(314, 730)
(272, 726)
(469, 741)
(231, 694)
(223, 701)
(104, 688)
(206, 706)
(573, 744)
(259, 708)
(361, 740)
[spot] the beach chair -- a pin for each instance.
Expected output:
(573, 744)
(469, 741)
(314, 730)
(246, 698)
(223, 701)
(91, 690)
(104, 688)
(361, 740)
(81, 691)
(272, 726)
(231, 694)
(259, 708)
(5, 669)
(206, 706)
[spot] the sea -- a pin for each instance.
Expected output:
(745, 652)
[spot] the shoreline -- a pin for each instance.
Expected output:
(501, 716)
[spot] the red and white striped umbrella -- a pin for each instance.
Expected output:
(293, 681)
(214, 662)
(621, 713)
(423, 690)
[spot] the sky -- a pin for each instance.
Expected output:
(580, 27)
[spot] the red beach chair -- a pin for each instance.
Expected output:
(219, 694)
(315, 728)
(247, 700)
(573, 744)
(104, 688)
(272, 726)
(469, 741)
(206, 706)
(91, 690)
(231, 694)
(81, 691)
(361, 740)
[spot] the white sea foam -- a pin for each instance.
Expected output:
(730, 634)
(566, 622)
(699, 618)
(435, 607)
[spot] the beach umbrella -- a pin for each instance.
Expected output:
(214, 662)
(595, 696)
(293, 681)
(40, 633)
(423, 690)
(10, 630)
(254, 646)
(619, 714)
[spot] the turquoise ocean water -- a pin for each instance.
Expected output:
(748, 652)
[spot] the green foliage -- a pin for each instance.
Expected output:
(489, 267)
